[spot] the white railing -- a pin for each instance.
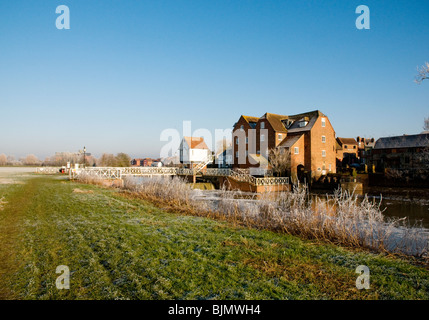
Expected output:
(217, 172)
(184, 172)
(269, 181)
(48, 170)
(201, 165)
(117, 173)
(148, 171)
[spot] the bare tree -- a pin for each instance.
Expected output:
(279, 159)
(31, 160)
(423, 73)
(426, 124)
(3, 159)
(11, 160)
(107, 160)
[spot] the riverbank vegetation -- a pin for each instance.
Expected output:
(341, 219)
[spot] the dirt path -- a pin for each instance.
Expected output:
(11, 218)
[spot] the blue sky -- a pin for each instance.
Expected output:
(127, 70)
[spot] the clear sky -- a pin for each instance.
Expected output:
(127, 70)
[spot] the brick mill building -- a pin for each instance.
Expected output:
(407, 152)
(308, 137)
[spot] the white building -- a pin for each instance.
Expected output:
(156, 164)
(193, 150)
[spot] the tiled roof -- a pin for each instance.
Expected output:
(195, 142)
(289, 141)
(344, 141)
(250, 119)
(311, 117)
(405, 141)
(275, 121)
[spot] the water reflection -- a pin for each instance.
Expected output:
(416, 210)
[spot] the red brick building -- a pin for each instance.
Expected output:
(309, 137)
(347, 148)
(145, 162)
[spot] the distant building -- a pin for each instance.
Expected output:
(347, 151)
(365, 146)
(193, 150)
(156, 164)
(401, 152)
(136, 162)
(143, 162)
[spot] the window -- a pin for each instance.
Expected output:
(262, 137)
(288, 123)
(296, 150)
(323, 139)
(241, 127)
(302, 124)
(323, 153)
(354, 147)
(345, 146)
(323, 122)
(236, 140)
(262, 125)
(247, 140)
(236, 154)
(246, 153)
(330, 167)
(258, 152)
(279, 137)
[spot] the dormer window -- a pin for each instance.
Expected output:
(302, 123)
(287, 123)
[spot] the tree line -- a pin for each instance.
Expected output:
(61, 159)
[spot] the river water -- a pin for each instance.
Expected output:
(394, 205)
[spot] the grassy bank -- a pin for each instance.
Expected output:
(122, 248)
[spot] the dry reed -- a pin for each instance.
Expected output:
(340, 219)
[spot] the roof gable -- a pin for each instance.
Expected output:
(195, 142)
(343, 141)
(405, 141)
(290, 140)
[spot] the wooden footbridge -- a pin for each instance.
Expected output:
(120, 173)
(239, 178)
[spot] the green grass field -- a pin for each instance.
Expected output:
(121, 248)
